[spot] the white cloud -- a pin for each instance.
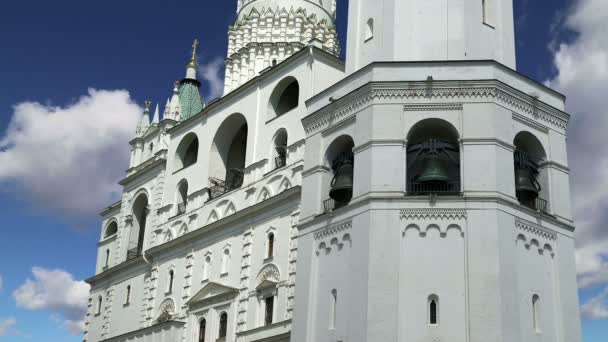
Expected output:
(6, 325)
(69, 159)
(582, 66)
(59, 293)
(212, 74)
(596, 307)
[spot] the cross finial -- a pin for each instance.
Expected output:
(194, 45)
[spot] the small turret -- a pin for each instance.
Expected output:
(174, 104)
(145, 121)
(156, 117)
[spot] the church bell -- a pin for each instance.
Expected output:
(342, 184)
(435, 168)
(526, 185)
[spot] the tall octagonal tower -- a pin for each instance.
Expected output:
(269, 31)
(435, 195)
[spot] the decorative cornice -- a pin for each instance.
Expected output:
(433, 214)
(430, 107)
(460, 91)
(333, 229)
(535, 229)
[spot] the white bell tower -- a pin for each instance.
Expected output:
(430, 30)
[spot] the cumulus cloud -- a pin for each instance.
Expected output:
(69, 159)
(6, 325)
(582, 66)
(596, 307)
(59, 293)
(212, 74)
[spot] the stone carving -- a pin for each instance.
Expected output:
(535, 229)
(334, 229)
(433, 214)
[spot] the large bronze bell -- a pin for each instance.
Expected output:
(342, 183)
(525, 183)
(435, 168)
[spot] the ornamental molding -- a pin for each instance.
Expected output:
(433, 214)
(333, 229)
(430, 107)
(535, 229)
(460, 91)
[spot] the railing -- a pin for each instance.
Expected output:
(133, 253)
(219, 187)
(439, 188)
(537, 203)
(280, 161)
(331, 204)
(181, 208)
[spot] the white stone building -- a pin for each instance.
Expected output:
(449, 217)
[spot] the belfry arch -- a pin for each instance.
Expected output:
(228, 155)
(140, 211)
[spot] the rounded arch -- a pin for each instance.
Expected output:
(527, 142)
(187, 151)
(269, 272)
(111, 229)
(531, 179)
(433, 158)
(279, 148)
(139, 210)
(340, 158)
(285, 96)
(228, 153)
(265, 194)
(338, 146)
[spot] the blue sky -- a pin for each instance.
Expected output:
(52, 52)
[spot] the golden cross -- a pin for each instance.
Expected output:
(194, 49)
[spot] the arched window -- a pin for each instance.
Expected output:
(111, 230)
(269, 310)
(433, 310)
(369, 29)
(270, 252)
(138, 226)
(206, 268)
(99, 304)
(187, 152)
(128, 297)
(279, 152)
(225, 261)
(340, 158)
(228, 156)
(170, 282)
(202, 330)
(182, 197)
(333, 309)
(433, 158)
(531, 179)
(536, 312)
(223, 325)
(285, 96)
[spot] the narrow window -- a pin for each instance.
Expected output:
(202, 330)
(269, 310)
(333, 309)
(433, 310)
(536, 312)
(107, 258)
(206, 267)
(170, 286)
(225, 261)
(223, 325)
(99, 303)
(274, 62)
(270, 245)
(128, 299)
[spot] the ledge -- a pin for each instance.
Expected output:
(131, 336)
(146, 166)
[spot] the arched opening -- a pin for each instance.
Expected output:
(285, 97)
(138, 226)
(433, 158)
(369, 29)
(341, 159)
(333, 309)
(228, 156)
(279, 152)
(531, 180)
(223, 325)
(202, 330)
(111, 230)
(536, 312)
(270, 247)
(433, 310)
(182, 197)
(187, 152)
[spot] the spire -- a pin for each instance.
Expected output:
(191, 102)
(166, 112)
(156, 118)
(145, 121)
